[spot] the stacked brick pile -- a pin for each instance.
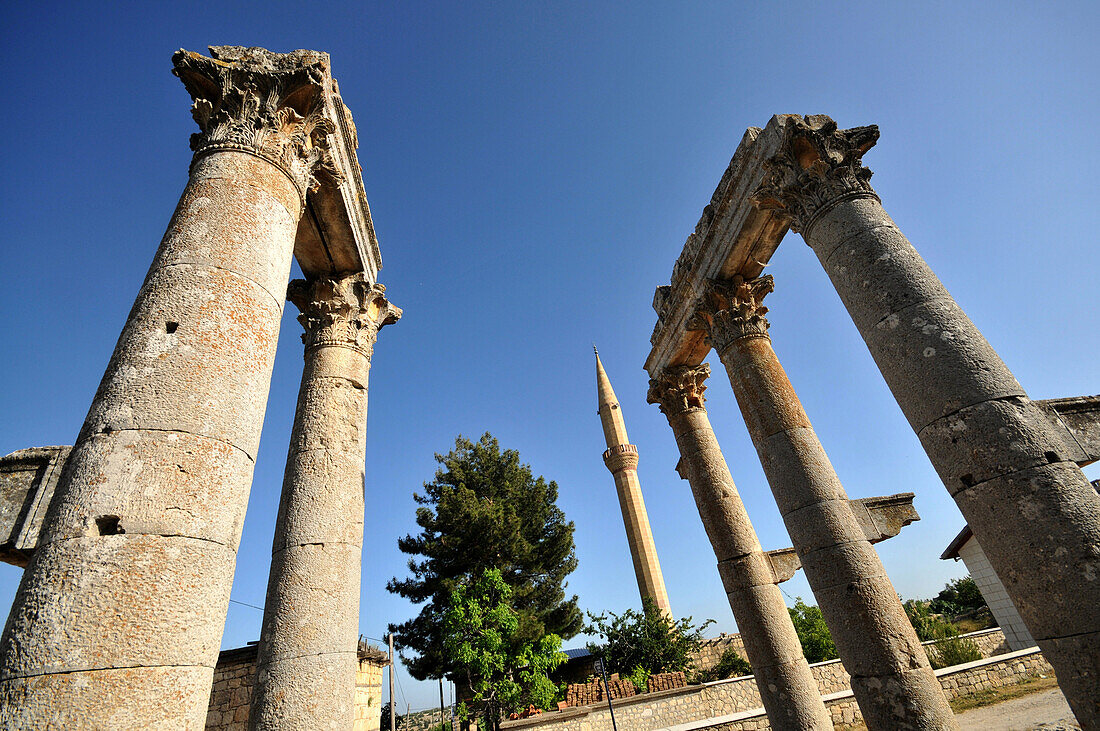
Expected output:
(666, 681)
(590, 693)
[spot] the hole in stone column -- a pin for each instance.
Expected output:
(171, 327)
(967, 480)
(108, 525)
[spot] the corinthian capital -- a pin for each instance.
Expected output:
(268, 104)
(679, 388)
(346, 312)
(817, 166)
(732, 309)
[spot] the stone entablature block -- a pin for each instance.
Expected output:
(27, 481)
(286, 108)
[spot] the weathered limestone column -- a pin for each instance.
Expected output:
(1031, 508)
(307, 658)
(787, 686)
(119, 615)
(891, 678)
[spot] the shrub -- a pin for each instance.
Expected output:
(730, 665)
(639, 676)
(648, 639)
(927, 625)
(953, 651)
(958, 597)
(813, 633)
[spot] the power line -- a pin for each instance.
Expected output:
(246, 604)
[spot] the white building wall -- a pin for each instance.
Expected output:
(1004, 611)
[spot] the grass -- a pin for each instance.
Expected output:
(982, 698)
(997, 695)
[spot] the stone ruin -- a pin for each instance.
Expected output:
(129, 538)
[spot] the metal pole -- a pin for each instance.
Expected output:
(607, 692)
(452, 706)
(393, 703)
(442, 723)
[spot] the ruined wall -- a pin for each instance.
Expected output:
(710, 650)
(235, 672)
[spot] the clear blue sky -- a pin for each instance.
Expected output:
(533, 171)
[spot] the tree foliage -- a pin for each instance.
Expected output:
(485, 510)
(647, 639)
(958, 597)
(813, 633)
(730, 665)
(479, 627)
(928, 626)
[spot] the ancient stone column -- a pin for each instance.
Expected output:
(306, 662)
(891, 678)
(621, 460)
(1031, 508)
(787, 686)
(118, 618)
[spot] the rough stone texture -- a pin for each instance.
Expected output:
(1008, 467)
(307, 653)
(1080, 417)
(713, 705)
(772, 646)
(621, 459)
(893, 682)
(235, 673)
(132, 574)
(28, 479)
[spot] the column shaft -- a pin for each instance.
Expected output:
(787, 686)
(118, 619)
(124, 601)
(891, 678)
(1030, 507)
(306, 662)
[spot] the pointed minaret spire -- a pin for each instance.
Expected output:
(621, 459)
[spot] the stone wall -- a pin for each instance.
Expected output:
(957, 681)
(235, 672)
(710, 650)
(732, 697)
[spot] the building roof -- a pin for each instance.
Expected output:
(952, 550)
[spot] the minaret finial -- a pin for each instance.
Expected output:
(594, 349)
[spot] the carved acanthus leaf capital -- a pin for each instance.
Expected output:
(731, 309)
(817, 166)
(346, 312)
(268, 104)
(679, 388)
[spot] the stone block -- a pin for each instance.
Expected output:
(124, 698)
(120, 601)
(195, 356)
(154, 482)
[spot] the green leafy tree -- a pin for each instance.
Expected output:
(730, 665)
(385, 725)
(479, 626)
(647, 639)
(927, 625)
(813, 633)
(485, 510)
(958, 597)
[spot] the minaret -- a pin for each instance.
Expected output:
(621, 459)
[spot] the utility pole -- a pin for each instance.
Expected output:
(442, 723)
(407, 707)
(393, 703)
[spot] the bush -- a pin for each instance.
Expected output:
(953, 651)
(927, 625)
(813, 634)
(649, 640)
(958, 597)
(730, 665)
(639, 677)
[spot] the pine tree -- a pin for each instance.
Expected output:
(485, 510)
